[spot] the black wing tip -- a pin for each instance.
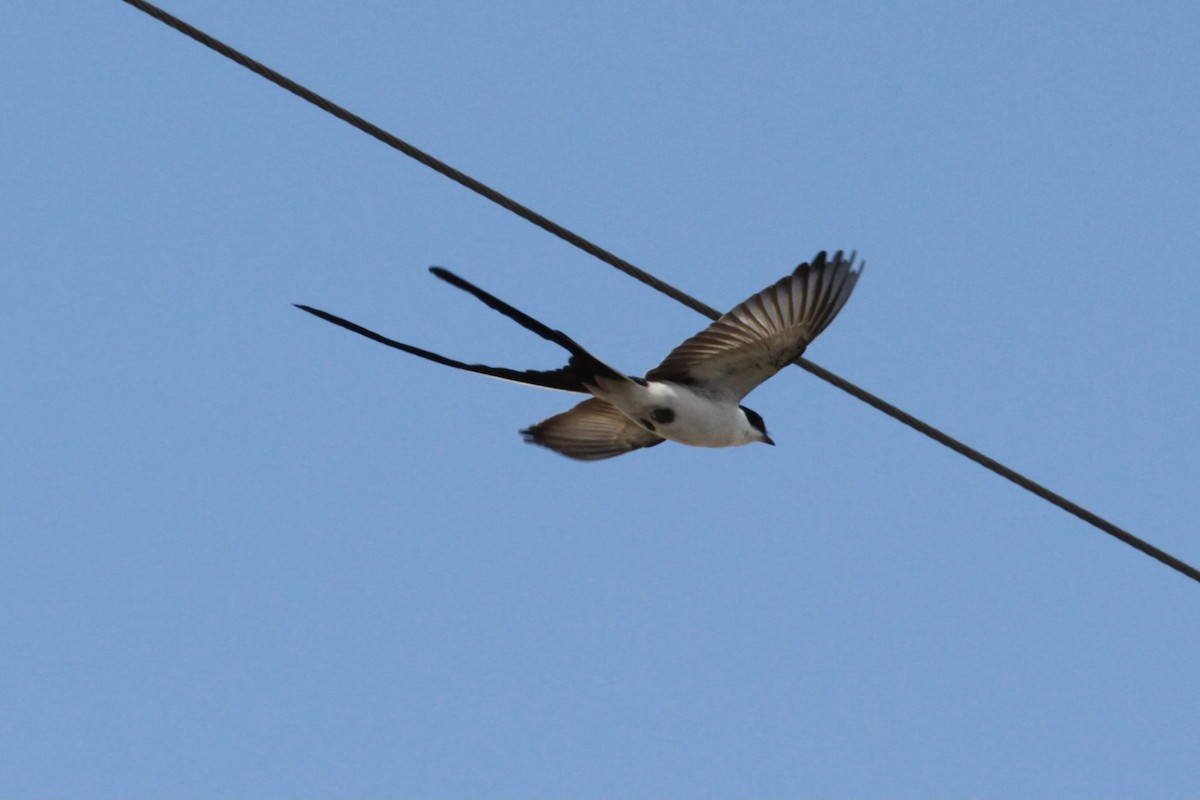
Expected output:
(822, 259)
(534, 435)
(538, 435)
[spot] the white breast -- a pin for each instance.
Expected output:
(700, 420)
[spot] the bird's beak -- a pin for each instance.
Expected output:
(768, 440)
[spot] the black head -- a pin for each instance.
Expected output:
(756, 421)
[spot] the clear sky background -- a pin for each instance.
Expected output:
(248, 554)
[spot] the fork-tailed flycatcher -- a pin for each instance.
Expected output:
(694, 396)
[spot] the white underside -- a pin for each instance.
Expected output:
(700, 420)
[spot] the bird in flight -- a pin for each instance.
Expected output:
(694, 396)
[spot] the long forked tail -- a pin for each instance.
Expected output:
(580, 370)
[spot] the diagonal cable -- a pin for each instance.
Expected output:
(629, 269)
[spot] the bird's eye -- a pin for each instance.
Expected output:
(663, 415)
(755, 419)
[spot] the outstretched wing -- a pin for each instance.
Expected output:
(764, 334)
(590, 431)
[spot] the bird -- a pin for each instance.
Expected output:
(694, 396)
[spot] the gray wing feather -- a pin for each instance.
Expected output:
(590, 431)
(765, 333)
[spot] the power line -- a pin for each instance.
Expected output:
(653, 282)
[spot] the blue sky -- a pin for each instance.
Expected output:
(248, 554)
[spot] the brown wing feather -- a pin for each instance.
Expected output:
(590, 431)
(765, 333)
